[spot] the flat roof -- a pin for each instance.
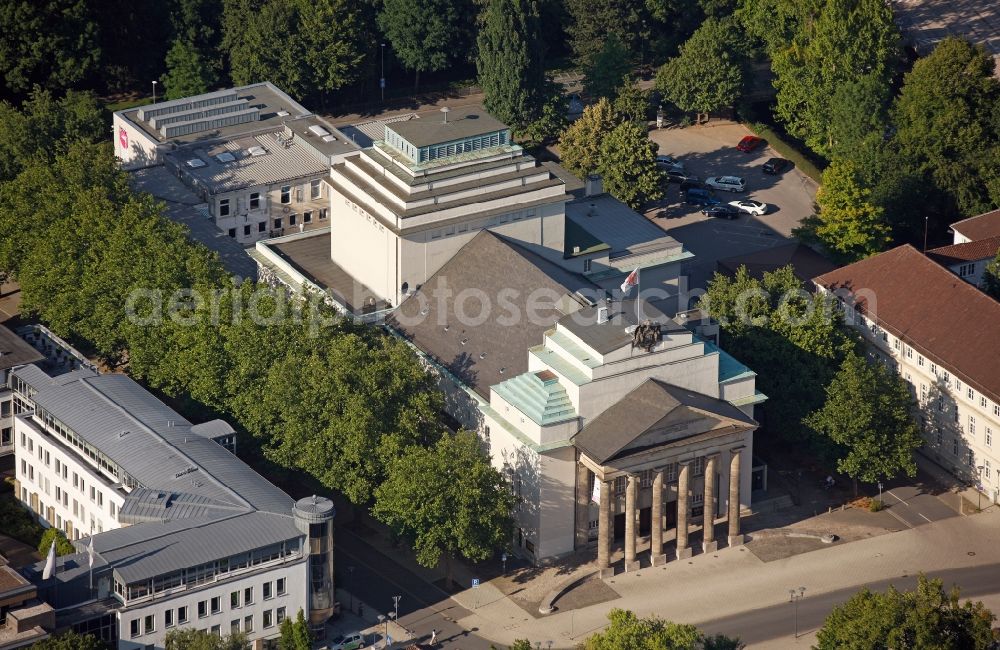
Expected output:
(270, 100)
(311, 257)
(622, 229)
(15, 351)
(430, 128)
(311, 130)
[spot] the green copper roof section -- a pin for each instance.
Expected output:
(729, 368)
(573, 348)
(560, 365)
(539, 395)
(575, 236)
(756, 398)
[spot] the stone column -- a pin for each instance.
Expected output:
(683, 508)
(735, 538)
(631, 495)
(656, 555)
(709, 545)
(604, 531)
(582, 507)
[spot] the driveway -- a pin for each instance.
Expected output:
(711, 151)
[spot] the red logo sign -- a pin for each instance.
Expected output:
(123, 138)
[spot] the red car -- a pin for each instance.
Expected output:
(749, 143)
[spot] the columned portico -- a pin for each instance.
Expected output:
(631, 494)
(656, 555)
(582, 517)
(604, 530)
(709, 545)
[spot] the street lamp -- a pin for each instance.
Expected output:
(979, 488)
(154, 91)
(880, 492)
(794, 596)
(381, 81)
(503, 561)
(395, 605)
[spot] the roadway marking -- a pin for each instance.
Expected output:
(915, 511)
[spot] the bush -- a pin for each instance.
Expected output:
(17, 521)
(875, 505)
(63, 546)
(778, 143)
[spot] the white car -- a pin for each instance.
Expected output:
(750, 206)
(350, 641)
(670, 163)
(727, 183)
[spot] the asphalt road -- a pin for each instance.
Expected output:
(759, 626)
(914, 507)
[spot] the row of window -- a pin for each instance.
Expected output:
(173, 617)
(293, 220)
(315, 192)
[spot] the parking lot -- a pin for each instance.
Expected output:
(711, 151)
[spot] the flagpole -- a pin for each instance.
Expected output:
(638, 294)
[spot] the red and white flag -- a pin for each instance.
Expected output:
(631, 281)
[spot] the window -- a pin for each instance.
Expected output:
(148, 624)
(100, 498)
(202, 608)
(322, 214)
(217, 630)
(620, 483)
(134, 627)
(971, 394)
(76, 480)
(923, 392)
(223, 207)
(954, 447)
(934, 369)
(972, 425)
(587, 265)
(986, 469)
(262, 226)
(234, 626)
(267, 620)
(314, 189)
(248, 623)
(246, 231)
(93, 493)
(958, 384)
(254, 200)
(216, 604)
(168, 618)
(939, 437)
(281, 615)
(58, 494)
(59, 465)
(248, 596)
(277, 223)
(234, 599)
(307, 216)
(281, 590)
(267, 591)
(113, 509)
(646, 478)
(972, 458)
(895, 344)
(982, 401)
(286, 193)
(182, 615)
(698, 466)
(909, 352)
(996, 410)
(291, 219)
(920, 360)
(989, 437)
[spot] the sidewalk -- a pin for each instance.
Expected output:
(964, 499)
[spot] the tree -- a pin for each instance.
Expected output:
(295, 636)
(708, 73)
(552, 121)
(521, 644)
(63, 546)
(192, 639)
(858, 111)
(927, 617)
(629, 632)
(49, 43)
(594, 21)
(447, 500)
(69, 641)
(631, 103)
(947, 119)
(267, 44)
(187, 73)
(628, 165)
(580, 144)
(816, 46)
(509, 61)
(607, 68)
(848, 225)
(333, 56)
(868, 412)
(991, 277)
(426, 35)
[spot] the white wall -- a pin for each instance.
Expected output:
(295, 598)
(142, 150)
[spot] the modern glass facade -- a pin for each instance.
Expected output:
(443, 150)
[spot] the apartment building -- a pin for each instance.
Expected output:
(254, 156)
(913, 313)
(184, 534)
(14, 351)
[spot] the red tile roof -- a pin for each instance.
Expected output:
(968, 252)
(946, 319)
(979, 227)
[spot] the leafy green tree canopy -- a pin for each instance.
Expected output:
(509, 61)
(63, 545)
(580, 144)
(927, 617)
(606, 68)
(628, 165)
(991, 277)
(295, 635)
(708, 73)
(69, 641)
(629, 632)
(187, 73)
(427, 35)
(192, 639)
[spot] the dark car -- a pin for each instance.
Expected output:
(698, 196)
(681, 176)
(721, 212)
(776, 165)
(692, 184)
(749, 143)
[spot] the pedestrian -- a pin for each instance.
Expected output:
(434, 637)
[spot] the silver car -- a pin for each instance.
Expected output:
(727, 183)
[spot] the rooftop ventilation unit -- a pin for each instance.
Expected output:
(282, 113)
(316, 129)
(225, 157)
(257, 151)
(195, 163)
(233, 106)
(187, 104)
(329, 138)
(210, 123)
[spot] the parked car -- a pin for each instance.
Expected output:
(692, 183)
(727, 183)
(749, 143)
(350, 641)
(669, 162)
(699, 196)
(776, 165)
(750, 206)
(721, 212)
(681, 176)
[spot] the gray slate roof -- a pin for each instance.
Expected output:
(629, 425)
(14, 351)
(491, 264)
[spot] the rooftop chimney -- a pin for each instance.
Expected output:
(594, 185)
(602, 312)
